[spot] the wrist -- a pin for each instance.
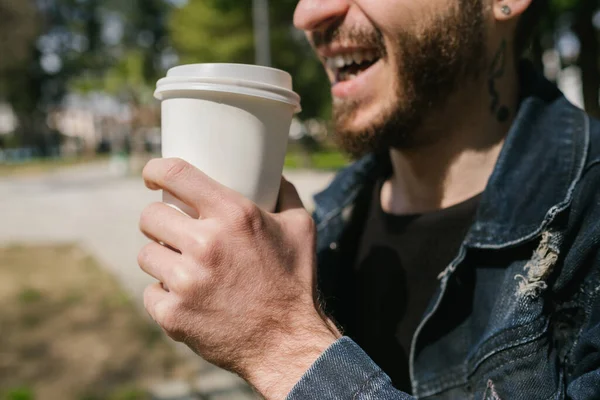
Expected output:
(286, 362)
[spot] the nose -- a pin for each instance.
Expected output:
(314, 15)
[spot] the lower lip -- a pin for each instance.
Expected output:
(357, 86)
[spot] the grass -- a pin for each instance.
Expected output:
(68, 331)
(42, 165)
(19, 394)
(329, 160)
(29, 296)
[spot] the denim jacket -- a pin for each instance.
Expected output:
(526, 324)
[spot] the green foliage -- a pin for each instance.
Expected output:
(564, 5)
(124, 393)
(22, 393)
(329, 160)
(128, 393)
(29, 296)
(222, 31)
(204, 33)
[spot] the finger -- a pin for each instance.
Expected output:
(289, 199)
(164, 224)
(157, 261)
(155, 297)
(190, 185)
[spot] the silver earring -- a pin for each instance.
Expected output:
(506, 10)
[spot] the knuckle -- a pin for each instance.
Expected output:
(175, 169)
(250, 218)
(181, 281)
(304, 222)
(188, 242)
(207, 251)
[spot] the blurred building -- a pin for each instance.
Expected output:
(100, 123)
(8, 119)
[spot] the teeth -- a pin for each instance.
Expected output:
(357, 57)
(340, 61)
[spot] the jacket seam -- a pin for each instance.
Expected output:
(508, 346)
(512, 345)
(533, 353)
(441, 384)
(370, 379)
(335, 212)
(492, 339)
(445, 384)
(591, 165)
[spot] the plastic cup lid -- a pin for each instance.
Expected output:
(251, 80)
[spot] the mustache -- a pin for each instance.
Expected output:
(365, 37)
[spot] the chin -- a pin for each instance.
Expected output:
(360, 117)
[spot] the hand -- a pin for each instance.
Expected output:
(237, 285)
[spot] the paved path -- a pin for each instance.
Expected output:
(93, 206)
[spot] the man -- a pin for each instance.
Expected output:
(460, 252)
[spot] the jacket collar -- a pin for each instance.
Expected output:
(541, 161)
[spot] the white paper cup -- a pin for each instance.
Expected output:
(232, 122)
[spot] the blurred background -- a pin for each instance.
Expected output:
(78, 121)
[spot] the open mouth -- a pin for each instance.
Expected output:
(350, 65)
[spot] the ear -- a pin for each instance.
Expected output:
(505, 10)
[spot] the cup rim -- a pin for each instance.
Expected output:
(228, 84)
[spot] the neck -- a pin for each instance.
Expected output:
(458, 164)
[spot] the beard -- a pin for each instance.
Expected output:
(431, 65)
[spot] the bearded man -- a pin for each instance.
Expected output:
(458, 255)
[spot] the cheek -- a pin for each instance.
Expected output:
(394, 16)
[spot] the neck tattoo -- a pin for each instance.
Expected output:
(496, 72)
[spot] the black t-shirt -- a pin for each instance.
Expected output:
(395, 261)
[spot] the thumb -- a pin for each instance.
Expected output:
(288, 197)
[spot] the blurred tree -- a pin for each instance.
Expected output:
(18, 31)
(221, 31)
(140, 56)
(145, 32)
(65, 41)
(58, 45)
